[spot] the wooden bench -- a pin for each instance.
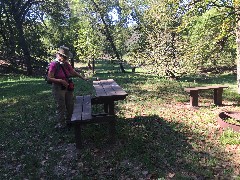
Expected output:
(82, 114)
(217, 94)
(129, 66)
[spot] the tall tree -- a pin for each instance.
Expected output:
(237, 17)
(158, 36)
(198, 7)
(6, 31)
(210, 35)
(103, 15)
(18, 10)
(22, 14)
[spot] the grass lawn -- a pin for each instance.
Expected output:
(158, 135)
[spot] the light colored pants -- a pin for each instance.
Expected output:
(64, 103)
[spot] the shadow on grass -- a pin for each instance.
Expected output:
(149, 147)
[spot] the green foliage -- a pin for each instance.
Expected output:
(87, 44)
(159, 41)
(230, 137)
(213, 34)
(180, 36)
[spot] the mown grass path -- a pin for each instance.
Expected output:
(158, 135)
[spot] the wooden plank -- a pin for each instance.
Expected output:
(110, 81)
(78, 104)
(87, 109)
(106, 82)
(77, 111)
(109, 88)
(103, 88)
(106, 85)
(204, 88)
(115, 88)
(118, 90)
(210, 87)
(98, 88)
(100, 91)
(82, 109)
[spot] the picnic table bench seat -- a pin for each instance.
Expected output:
(82, 114)
(217, 93)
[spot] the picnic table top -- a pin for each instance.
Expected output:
(109, 89)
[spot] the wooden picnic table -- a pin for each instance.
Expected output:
(107, 92)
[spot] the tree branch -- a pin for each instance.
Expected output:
(25, 8)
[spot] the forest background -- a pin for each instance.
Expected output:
(180, 36)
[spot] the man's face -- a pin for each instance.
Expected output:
(62, 58)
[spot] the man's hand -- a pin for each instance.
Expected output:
(64, 83)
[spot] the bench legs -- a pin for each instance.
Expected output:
(112, 130)
(78, 136)
(133, 69)
(112, 123)
(194, 98)
(218, 96)
(108, 109)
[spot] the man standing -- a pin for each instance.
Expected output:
(59, 74)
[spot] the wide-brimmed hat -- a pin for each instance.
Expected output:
(63, 50)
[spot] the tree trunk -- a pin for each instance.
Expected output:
(7, 33)
(109, 36)
(93, 65)
(238, 55)
(27, 57)
(18, 11)
(121, 67)
(24, 46)
(238, 47)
